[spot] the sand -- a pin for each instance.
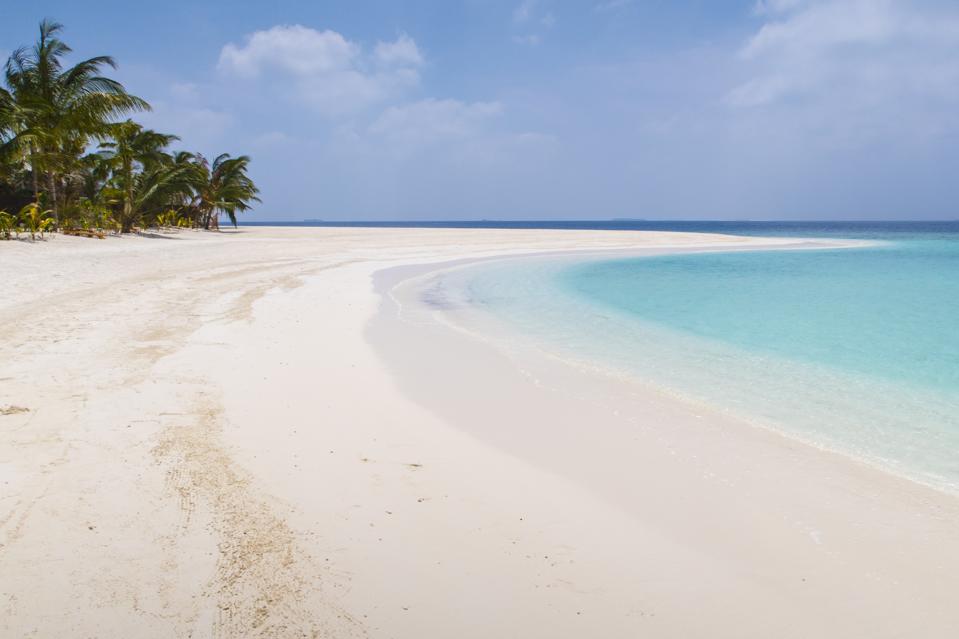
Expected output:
(238, 435)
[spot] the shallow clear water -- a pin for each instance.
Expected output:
(852, 349)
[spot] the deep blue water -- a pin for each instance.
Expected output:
(803, 229)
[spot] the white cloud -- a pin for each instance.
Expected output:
(295, 49)
(328, 72)
(271, 139)
(853, 53)
(524, 11)
(536, 139)
(763, 7)
(199, 127)
(185, 91)
(348, 91)
(427, 121)
(431, 158)
(760, 91)
(402, 51)
(612, 5)
(812, 32)
(530, 40)
(532, 22)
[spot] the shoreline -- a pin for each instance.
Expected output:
(212, 445)
(562, 384)
(498, 334)
(386, 282)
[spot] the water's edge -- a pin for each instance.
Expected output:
(458, 312)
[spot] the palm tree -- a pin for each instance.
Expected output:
(8, 223)
(6, 116)
(160, 188)
(11, 159)
(37, 220)
(7, 163)
(14, 178)
(135, 153)
(49, 116)
(55, 111)
(223, 187)
(93, 172)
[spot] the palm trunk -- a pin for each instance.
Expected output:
(127, 224)
(52, 189)
(36, 178)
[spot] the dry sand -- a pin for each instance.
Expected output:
(233, 435)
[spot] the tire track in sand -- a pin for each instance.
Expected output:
(265, 584)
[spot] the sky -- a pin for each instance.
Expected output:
(549, 109)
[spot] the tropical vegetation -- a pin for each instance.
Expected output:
(73, 159)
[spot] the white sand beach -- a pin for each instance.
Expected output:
(237, 435)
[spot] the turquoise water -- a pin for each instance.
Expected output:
(889, 312)
(855, 350)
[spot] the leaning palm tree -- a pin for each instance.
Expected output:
(160, 188)
(223, 187)
(56, 109)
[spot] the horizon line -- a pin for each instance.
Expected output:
(594, 220)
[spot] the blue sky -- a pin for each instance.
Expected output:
(532, 109)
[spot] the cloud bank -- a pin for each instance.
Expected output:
(802, 108)
(330, 73)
